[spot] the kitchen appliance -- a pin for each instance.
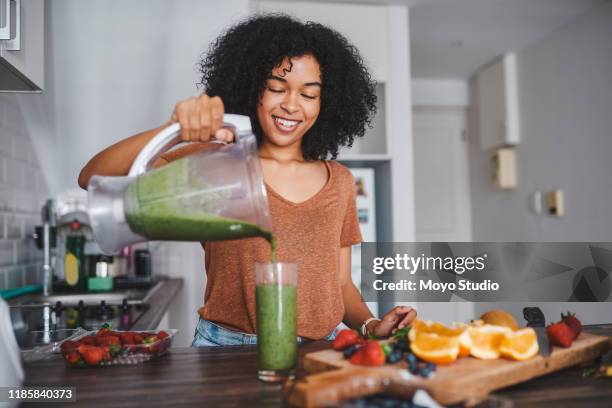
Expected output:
(36, 324)
(211, 195)
(11, 370)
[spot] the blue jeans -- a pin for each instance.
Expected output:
(208, 333)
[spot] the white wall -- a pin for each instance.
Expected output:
(440, 92)
(118, 68)
(115, 68)
(565, 98)
(364, 25)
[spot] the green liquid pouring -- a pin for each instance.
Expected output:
(168, 204)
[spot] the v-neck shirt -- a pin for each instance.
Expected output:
(309, 233)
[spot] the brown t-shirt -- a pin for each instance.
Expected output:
(310, 233)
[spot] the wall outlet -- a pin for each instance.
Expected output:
(503, 162)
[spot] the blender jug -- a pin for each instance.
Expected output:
(211, 195)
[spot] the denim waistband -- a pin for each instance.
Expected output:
(208, 333)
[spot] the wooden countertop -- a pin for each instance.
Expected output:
(226, 377)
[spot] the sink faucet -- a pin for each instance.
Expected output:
(48, 216)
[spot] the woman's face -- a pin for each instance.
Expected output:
(291, 101)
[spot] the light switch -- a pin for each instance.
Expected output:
(556, 206)
(536, 202)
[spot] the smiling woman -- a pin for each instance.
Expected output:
(307, 93)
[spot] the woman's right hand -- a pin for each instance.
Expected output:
(201, 118)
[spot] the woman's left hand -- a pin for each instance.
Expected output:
(397, 318)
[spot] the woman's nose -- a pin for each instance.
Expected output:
(289, 103)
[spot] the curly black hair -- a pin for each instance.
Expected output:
(238, 64)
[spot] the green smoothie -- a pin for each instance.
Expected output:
(171, 204)
(276, 326)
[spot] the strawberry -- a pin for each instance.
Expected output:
(371, 354)
(345, 338)
(138, 339)
(69, 345)
(104, 331)
(126, 338)
(108, 340)
(560, 334)
(91, 354)
(88, 340)
(573, 323)
(72, 356)
(106, 356)
(162, 335)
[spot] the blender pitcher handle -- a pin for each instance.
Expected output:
(170, 136)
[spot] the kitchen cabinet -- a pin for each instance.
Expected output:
(22, 51)
(497, 103)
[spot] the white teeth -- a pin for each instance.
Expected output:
(286, 122)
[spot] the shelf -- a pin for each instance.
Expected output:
(373, 157)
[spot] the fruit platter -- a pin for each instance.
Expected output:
(106, 347)
(452, 363)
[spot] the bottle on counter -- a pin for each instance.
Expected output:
(74, 259)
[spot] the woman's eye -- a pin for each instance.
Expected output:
(309, 96)
(276, 90)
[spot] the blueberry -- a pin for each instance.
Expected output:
(394, 356)
(431, 366)
(349, 351)
(425, 372)
(413, 368)
(412, 359)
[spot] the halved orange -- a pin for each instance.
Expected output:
(520, 345)
(434, 348)
(486, 340)
(428, 326)
(500, 318)
(465, 341)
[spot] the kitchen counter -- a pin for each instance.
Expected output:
(226, 376)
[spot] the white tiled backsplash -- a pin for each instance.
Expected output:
(23, 191)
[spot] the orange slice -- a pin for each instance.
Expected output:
(428, 326)
(520, 345)
(434, 348)
(465, 341)
(486, 340)
(500, 318)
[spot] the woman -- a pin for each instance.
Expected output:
(307, 92)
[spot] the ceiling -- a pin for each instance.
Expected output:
(451, 39)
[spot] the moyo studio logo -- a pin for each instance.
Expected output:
(477, 271)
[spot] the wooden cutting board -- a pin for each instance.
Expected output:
(332, 379)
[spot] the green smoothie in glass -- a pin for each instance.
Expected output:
(276, 297)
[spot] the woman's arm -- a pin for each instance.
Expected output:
(117, 159)
(356, 312)
(200, 118)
